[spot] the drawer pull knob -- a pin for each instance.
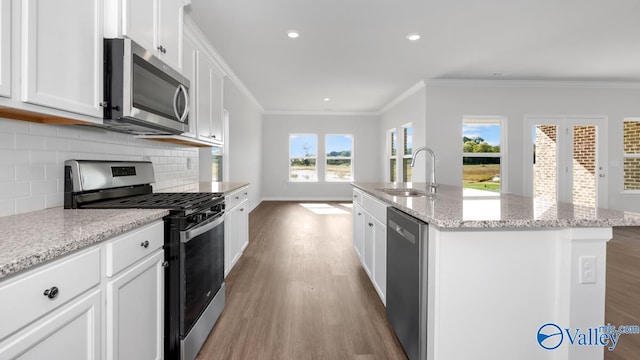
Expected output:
(51, 293)
(242, 209)
(246, 194)
(145, 244)
(370, 224)
(237, 197)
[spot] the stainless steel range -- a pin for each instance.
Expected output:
(194, 242)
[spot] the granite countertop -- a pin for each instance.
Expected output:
(33, 238)
(222, 188)
(453, 208)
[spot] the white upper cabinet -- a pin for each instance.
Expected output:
(156, 25)
(5, 48)
(207, 86)
(61, 61)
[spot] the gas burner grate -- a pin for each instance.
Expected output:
(178, 201)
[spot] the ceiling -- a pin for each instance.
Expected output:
(356, 53)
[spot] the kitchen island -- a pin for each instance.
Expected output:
(500, 267)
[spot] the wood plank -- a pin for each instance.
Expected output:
(622, 305)
(299, 292)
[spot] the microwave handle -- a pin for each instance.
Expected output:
(184, 91)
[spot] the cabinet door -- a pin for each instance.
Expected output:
(380, 259)
(71, 332)
(62, 54)
(135, 311)
(230, 233)
(358, 229)
(203, 92)
(170, 16)
(243, 229)
(217, 108)
(5, 48)
(189, 66)
(139, 22)
(369, 238)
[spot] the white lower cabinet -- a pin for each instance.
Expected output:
(71, 332)
(358, 229)
(135, 305)
(236, 227)
(370, 239)
(110, 293)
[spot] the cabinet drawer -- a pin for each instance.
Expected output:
(127, 249)
(375, 207)
(23, 299)
(357, 196)
(235, 198)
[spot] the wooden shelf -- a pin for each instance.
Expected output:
(26, 115)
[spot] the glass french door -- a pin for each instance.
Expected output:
(563, 160)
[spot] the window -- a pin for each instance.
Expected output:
(631, 139)
(216, 164)
(392, 152)
(481, 153)
(407, 132)
(302, 157)
(339, 149)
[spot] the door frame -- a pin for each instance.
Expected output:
(565, 157)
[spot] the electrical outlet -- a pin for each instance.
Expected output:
(587, 270)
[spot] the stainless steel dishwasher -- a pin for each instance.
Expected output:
(407, 281)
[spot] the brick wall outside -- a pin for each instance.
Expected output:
(584, 165)
(544, 170)
(632, 146)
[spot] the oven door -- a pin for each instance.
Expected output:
(202, 277)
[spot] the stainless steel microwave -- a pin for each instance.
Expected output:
(143, 95)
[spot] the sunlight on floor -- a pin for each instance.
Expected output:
(323, 209)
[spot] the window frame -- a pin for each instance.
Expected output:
(391, 156)
(625, 155)
(402, 156)
(489, 119)
(327, 158)
(317, 179)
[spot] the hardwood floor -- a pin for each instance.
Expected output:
(299, 292)
(623, 289)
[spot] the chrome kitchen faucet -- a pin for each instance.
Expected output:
(432, 182)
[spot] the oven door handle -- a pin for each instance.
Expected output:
(186, 236)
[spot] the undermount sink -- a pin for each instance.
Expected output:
(405, 192)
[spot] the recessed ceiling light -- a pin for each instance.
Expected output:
(293, 34)
(326, 99)
(413, 36)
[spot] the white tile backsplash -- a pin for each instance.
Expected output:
(32, 160)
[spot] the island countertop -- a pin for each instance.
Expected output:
(29, 239)
(455, 208)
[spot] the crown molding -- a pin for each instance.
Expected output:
(412, 90)
(535, 83)
(222, 65)
(323, 113)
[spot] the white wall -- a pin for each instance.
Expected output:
(245, 141)
(411, 109)
(32, 160)
(448, 101)
(275, 154)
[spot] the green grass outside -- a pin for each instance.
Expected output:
(480, 177)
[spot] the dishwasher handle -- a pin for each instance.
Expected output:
(402, 232)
